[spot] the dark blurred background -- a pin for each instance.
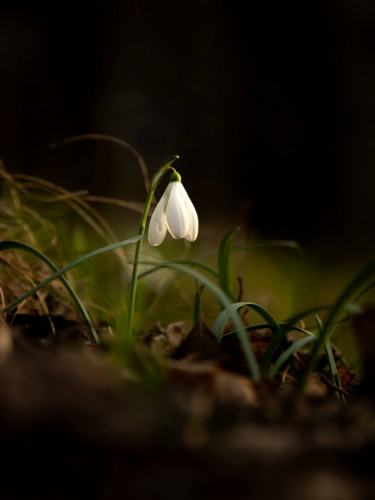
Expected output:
(270, 105)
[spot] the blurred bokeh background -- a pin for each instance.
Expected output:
(270, 105)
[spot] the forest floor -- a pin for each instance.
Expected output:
(74, 424)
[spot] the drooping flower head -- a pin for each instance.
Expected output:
(175, 213)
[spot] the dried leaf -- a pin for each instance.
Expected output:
(164, 341)
(200, 343)
(346, 376)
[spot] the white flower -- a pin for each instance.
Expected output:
(175, 213)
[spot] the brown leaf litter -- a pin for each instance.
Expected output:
(74, 425)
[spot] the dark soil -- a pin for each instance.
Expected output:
(74, 425)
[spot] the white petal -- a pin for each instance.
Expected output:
(157, 228)
(193, 216)
(177, 213)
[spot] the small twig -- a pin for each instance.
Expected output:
(333, 386)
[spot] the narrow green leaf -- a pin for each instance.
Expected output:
(284, 329)
(187, 262)
(365, 290)
(223, 317)
(224, 263)
(331, 361)
(338, 309)
(18, 245)
(261, 326)
(8, 244)
(289, 352)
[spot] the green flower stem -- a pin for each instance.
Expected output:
(156, 178)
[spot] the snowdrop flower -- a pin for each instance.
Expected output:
(175, 213)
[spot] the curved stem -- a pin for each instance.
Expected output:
(156, 178)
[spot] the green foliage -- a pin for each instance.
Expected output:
(355, 288)
(190, 277)
(225, 302)
(58, 274)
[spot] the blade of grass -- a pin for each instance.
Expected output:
(136, 206)
(261, 326)
(113, 139)
(188, 262)
(22, 273)
(223, 317)
(331, 361)
(288, 353)
(338, 309)
(279, 335)
(7, 245)
(224, 263)
(88, 213)
(278, 338)
(365, 290)
(66, 268)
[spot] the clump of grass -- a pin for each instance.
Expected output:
(24, 201)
